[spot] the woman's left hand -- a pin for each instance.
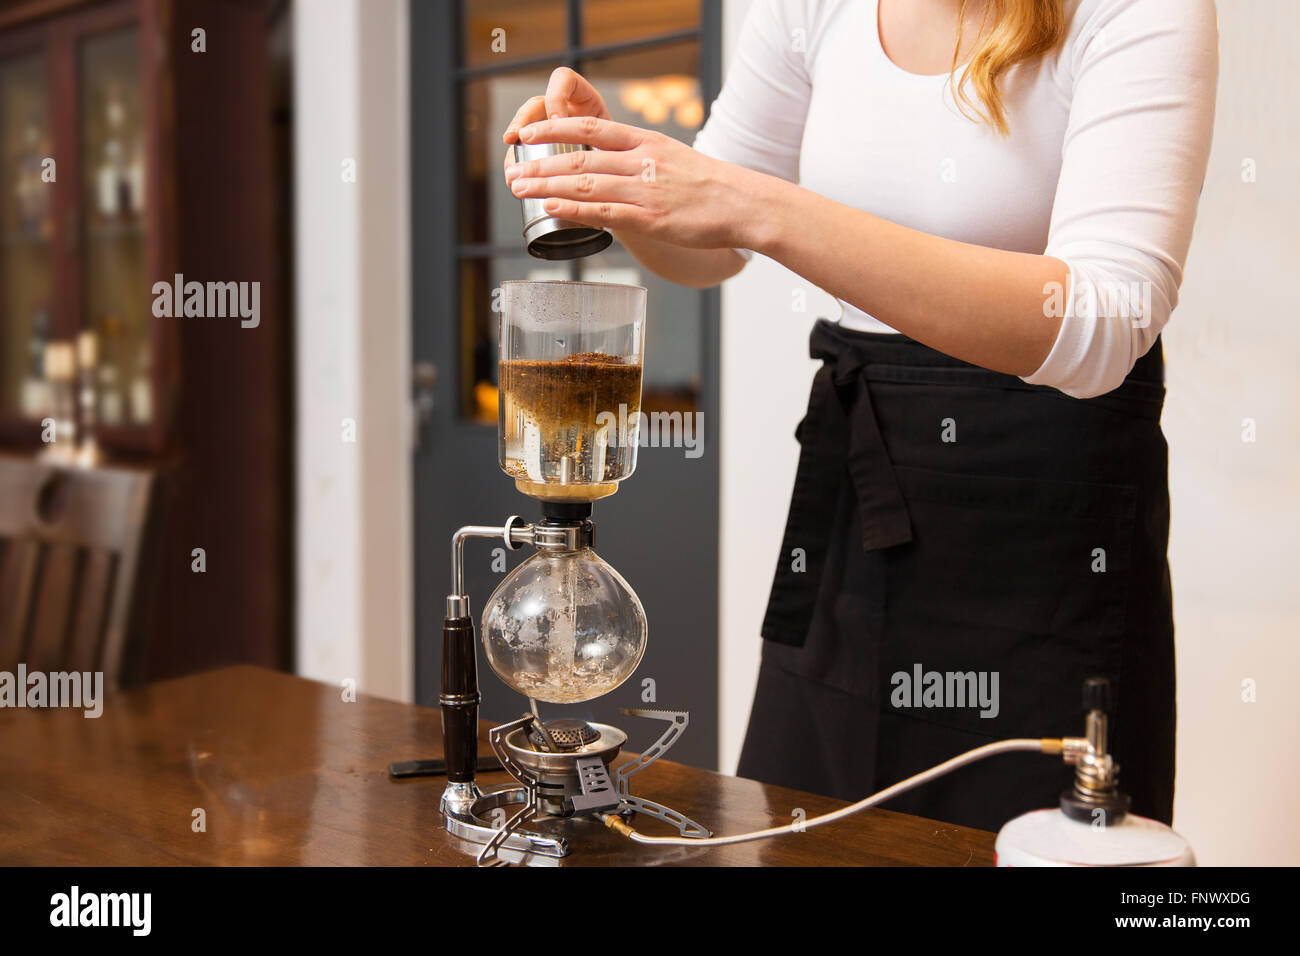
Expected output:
(637, 181)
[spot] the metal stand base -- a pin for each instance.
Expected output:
(471, 822)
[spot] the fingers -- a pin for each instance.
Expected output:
(585, 187)
(534, 109)
(609, 215)
(559, 91)
(616, 162)
(601, 133)
(569, 94)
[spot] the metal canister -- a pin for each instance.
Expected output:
(546, 236)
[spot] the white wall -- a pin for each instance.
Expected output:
(354, 556)
(766, 374)
(1232, 353)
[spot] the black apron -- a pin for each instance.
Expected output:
(952, 525)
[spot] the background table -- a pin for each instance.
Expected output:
(288, 773)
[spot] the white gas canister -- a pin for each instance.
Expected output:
(1050, 838)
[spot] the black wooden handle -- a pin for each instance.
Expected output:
(459, 699)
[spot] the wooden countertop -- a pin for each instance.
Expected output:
(287, 773)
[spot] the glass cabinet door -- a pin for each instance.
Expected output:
(115, 299)
(26, 237)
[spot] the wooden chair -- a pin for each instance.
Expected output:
(70, 541)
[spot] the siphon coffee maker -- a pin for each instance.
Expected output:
(564, 626)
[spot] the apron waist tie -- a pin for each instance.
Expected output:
(839, 438)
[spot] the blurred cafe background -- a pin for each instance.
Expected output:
(278, 485)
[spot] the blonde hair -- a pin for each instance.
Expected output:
(1020, 31)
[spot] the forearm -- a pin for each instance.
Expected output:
(984, 306)
(697, 268)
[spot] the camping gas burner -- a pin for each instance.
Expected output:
(568, 783)
(574, 781)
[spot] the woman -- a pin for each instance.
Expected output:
(1001, 195)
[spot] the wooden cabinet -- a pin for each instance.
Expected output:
(119, 144)
(138, 143)
(83, 163)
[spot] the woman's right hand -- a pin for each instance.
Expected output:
(567, 94)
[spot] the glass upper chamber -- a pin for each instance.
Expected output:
(570, 386)
(564, 627)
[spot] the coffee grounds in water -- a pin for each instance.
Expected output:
(570, 393)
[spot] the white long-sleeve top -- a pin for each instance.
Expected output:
(1109, 141)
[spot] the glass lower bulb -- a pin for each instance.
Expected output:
(564, 627)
